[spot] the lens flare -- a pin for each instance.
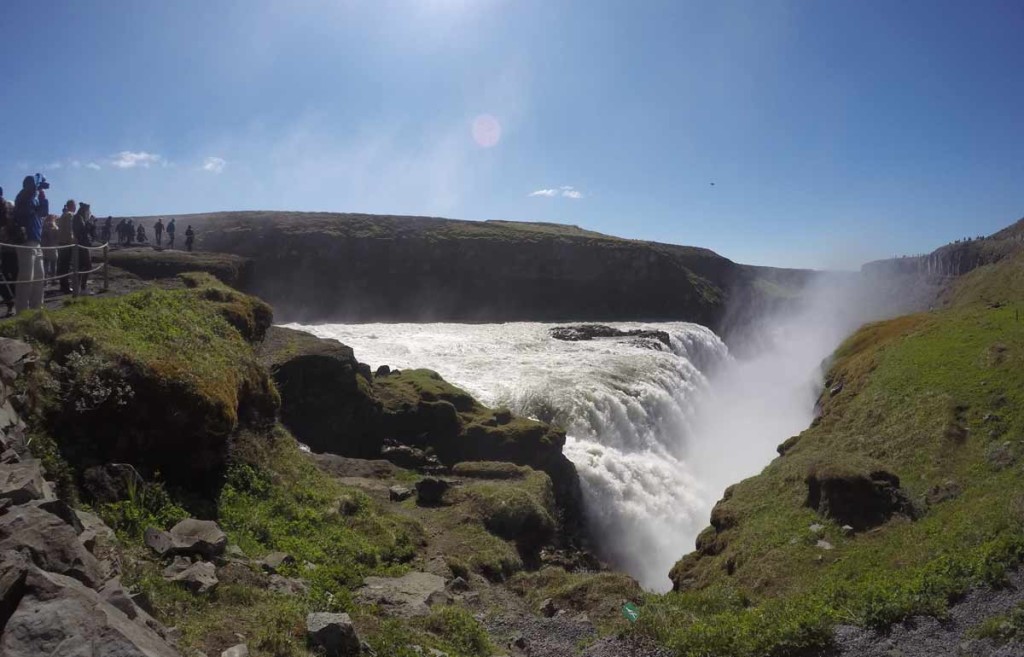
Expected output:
(486, 130)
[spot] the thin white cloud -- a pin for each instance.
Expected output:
(53, 166)
(565, 191)
(93, 166)
(134, 159)
(76, 164)
(214, 164)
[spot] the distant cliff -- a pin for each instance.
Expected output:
(363, 268)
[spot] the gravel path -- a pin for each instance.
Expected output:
(929, 637)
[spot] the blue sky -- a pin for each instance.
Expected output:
(834, 131)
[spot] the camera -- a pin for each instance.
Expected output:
(41, 182)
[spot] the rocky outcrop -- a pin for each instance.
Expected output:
(190, 537)
(327, 398)
(405, 596)
(150, 264)
(860, 499)
(644, 338)
(333, 634)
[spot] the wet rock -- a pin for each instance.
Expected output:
(274, 561)
(111, 482)
(584, 332)
(399, 493)
(403, 596)
(23, 482)
(430, 491)
(333, 633)
(49, 542)
(59, 615)
(199, 578)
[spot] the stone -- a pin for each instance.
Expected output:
(59, 615)
(15, 358)
(23, 482)
(940, 493)
(326, 402)
(111, 482)
(275, 560)
(1000, 456)
(288, 585)
(13, 571)
(430, 491)
(817, 529)
(177, 566)
(348, 505)
(411, 458)
(49, 542)
(399, 493)
(9, 456)
(115, 595)
(434, 652)
(458, 585)
(234, 552)
(383, 370)
(518, 642)
(824, 545)
(61, 509)
(333, 633)
(199, 578)
(159, 541)
(548, 608)
(200, 537)
(404, 596)
(240, 572)
(439, 599)
(847, 531)
(241, 650)
(861, 499)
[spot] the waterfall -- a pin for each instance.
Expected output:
(628, 410)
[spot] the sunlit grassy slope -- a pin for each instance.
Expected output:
(935, 398)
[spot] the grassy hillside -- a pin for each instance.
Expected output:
(923, 412)
(355, 267)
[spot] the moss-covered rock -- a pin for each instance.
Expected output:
(151, 264)
(423, 409)
(328, 401)
(160, 379)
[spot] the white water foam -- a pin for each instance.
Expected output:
(628, 412)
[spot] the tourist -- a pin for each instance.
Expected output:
(30, 206)
(108, 227)
(65, 238)
(140, 234)
(92, 229)
(170, 233)
(49, 244)
(8, 256)
(129, 230)
(158, 232)
(81, 230)
(190, 237)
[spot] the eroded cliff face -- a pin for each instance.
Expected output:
(363, 268)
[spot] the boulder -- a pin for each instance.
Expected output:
(334, 634)
(199, 578)
(111, 482)
(341, 466)
(241, 650)
(548, 608)
(861, 499)
(49, 542)
(57, 615)
(159, 541)
(411, 458)
(177, 566)
(430, 491)
(404, 596)
(13, 571)
(237, 572)
(275, 560)
(399, 493)
(326, 401)
(23, 482)
(96, 536)
(15, 358)
(200, 537)
(288, 585)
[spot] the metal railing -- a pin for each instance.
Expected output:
(75, 272)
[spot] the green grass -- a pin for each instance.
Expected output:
(1002, 629)
(598, 594)
(928, 397)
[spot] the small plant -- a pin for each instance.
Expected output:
(147, 505)
(87, 382)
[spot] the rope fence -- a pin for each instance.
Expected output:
(75, 272)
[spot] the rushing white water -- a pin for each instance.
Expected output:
(655, 435)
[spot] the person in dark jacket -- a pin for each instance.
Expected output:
(158, 232)
(190, 238)
(30, 207)
(8, 256)
(81, 229)
(170, 233)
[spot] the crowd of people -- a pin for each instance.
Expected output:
(37, 247)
